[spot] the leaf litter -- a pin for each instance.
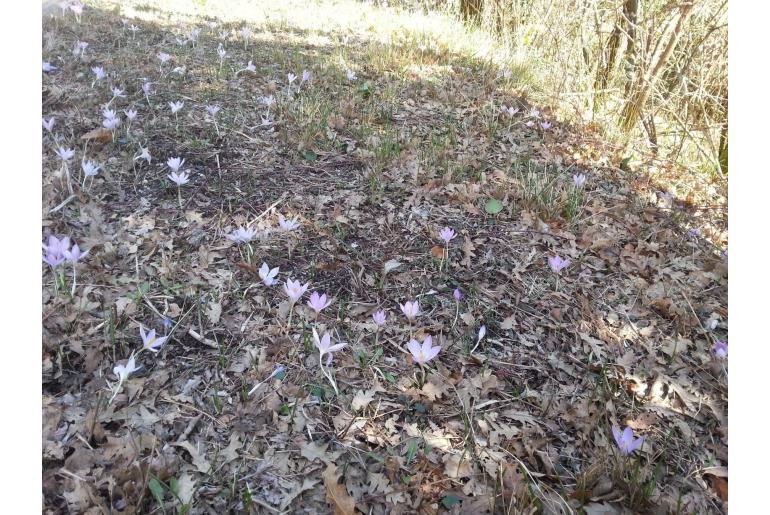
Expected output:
(623, 336)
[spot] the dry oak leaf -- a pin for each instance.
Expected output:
(438, 252)
(362, 399)
(99, 135)
(336, 495)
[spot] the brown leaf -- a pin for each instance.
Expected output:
(336, 495)
(98, 135)
(438, 252)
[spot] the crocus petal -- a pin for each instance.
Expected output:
(414, 347)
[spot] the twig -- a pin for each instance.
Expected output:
(60, 206)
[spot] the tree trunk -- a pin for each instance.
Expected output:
(644, 84)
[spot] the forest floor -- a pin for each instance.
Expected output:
(396, 134)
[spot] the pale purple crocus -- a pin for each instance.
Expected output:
(249, 68)
(579, 180)
(146, 87)
(268, 275)
(117, 92)
(625, 440)
(57, 246)
(213, 109)
(53, 260)
(48, 67)
(163, 57)
(410, 309)
(295, 290)
(291, 78)
(179, 179)
(74, 254)
(325, 347)
(90, 168)
(175, 163)
(150, 341)
(123, 371)
(421, 354)
(130, 114)
(557, 263)
(99, 73)
(457, 294)
(318, 302)
(287, 225)
(379, 318)
(446, 234)
(242, 235)
(546, 125)
(144, 154)
(268, 100)
(111, 123)
(176, 106)
(80, 49)
(48, 124)
(306, 75)
(351, 75)
(720, 349)
(534, 113)
(221, 52)
(65, 153)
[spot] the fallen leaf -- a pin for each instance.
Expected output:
(438, 252)
(336, 495)
(362, 399)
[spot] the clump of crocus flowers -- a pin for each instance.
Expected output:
(57, 251)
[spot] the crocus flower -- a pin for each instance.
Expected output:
(117, 92)
(146, 87)
(291, 78)
(268, 275)
(720, 349)
(482, 333)
(446, 234)
(579, 180)
(306, 75)
(48, 67)
(223, 34)
(245, 33)
(99, 72)
(213, 109)
(510, 111)
(179, 70)
(176, 106)
(545, 125)
(379, 318)
(221, 51)
(295, 290)
(163, 57)
(557, 264)
(175, 163)
(144, 154)
(130, 114)
(111, 123)
(625, 440)
(457, 294)
(318, 302)
(48, 124)
(109, 114)
(123, 371)
(179, 178)
(90, 168)
(268, 100)
(53, 259)
(534, 113)
(287, 225)
(241, 235)
(133, 28)
(324, 346)
(410, 309)
(57, 246)
(250, 68)
(351, 75)
(151, 342)
(65, 153)
(423, 353)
